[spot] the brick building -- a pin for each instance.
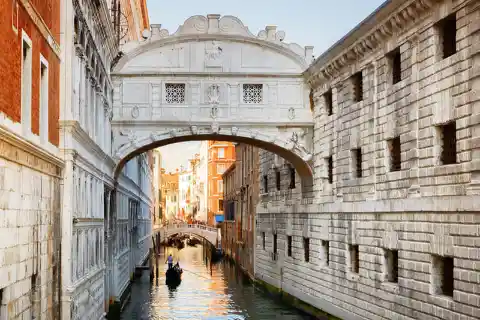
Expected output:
(392, 230)
(30, 167)
(241, 194)
(221, 155)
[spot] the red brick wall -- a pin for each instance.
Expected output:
(10, 63)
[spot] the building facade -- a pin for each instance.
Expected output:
(221, 154)
(106, 217)
(170, 194)
(202, 183)
(30, 163)
(391, 231)
(157, 186)
(184, 192)
(241, 195)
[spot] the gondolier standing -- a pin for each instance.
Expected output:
(170, 261)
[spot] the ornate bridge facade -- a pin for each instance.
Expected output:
(208, 233)
(213, 80)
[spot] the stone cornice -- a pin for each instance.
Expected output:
(392, 17)
(73, 127)
(30, 148)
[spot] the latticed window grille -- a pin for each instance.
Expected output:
(252, 93)
(175, 92)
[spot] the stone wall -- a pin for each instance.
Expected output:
(30, 249)
(382, 242)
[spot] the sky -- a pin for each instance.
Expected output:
(318, 23)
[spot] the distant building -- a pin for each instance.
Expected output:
(170, 199)
(157, 186)
(221, 155)
(201, 192)
(184, 188)
(241, 192)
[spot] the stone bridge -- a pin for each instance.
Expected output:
(213, 79)
(208, 233)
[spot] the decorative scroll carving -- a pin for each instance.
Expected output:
(135, 112)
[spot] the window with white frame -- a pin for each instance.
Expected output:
(175, 93)
(252, 93)
(221, 153)
(221, 168)
(26, 83)
(43, 99)
(220, 186)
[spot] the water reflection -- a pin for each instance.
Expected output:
(207, 291)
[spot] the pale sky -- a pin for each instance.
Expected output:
(319, 23)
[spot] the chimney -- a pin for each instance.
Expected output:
(309, 54)
(155, 29)
(271, 31)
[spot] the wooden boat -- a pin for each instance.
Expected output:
(173, 276)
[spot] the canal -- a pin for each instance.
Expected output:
(207, 291)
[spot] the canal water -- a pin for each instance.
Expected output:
(207, 291)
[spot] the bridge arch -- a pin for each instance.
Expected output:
(208, 233)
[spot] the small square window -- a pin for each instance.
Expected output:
(442, 279)
(391, 265)
(354, 258)
(175, 93)
(448, 143)
(328, 96)
(252, 93)
(289, 246)
(448, 35)
(395, 154)
(395, 61)
(357, 81)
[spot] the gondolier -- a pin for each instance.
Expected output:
(170, 261)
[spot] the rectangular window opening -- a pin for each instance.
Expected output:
(263, 240)
(395, 154)
(275, 246)
(292, 177)
(395, 61)
(448, 136)
(330, 169)
(175, 93)
(26, 87)
(357, 81)
(448, 35)
(43, 101)
(252, 93)
(277, 179)
(306, 249)
(357, 162)
(289, 246)
(220, 205)
(329, 102)
(442, 275)
(354, 258)
(265, 183)
(391, 263)
(326, 251)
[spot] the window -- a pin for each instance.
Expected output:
(220, 168)
(395, 61)
(357, 81)
(448, 35)
(265, 183)
(292, 177)
(391, 265)
(326, 251)
(357, 162)
(220, 205)
(448, 143)
(328, 102)
(263, 240)
(26, 84)
(220, 186)
(354, 258)
(175, 93)
(221, 153)
(330, 169)
(395, 154)
(277, 179)
(275, 243)
(306, 249)
(442, 276)
(43, 99)
(252, 93)
(289, 246)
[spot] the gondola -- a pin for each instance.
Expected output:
(173, 276)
